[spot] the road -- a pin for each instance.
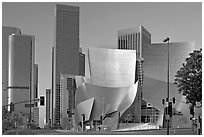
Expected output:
(64, 132)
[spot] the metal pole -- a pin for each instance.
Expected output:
(31, 62)
(82, 123)
(168, 90)
(168, 116)
(146, 113)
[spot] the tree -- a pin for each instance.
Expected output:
(13, 120)
(189, 78)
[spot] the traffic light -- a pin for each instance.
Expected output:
(68, 111)
(83, 117)
(192, 110)
(12, 107)
(42, 100)
(174, 100)
(170, 109)
(163, 101)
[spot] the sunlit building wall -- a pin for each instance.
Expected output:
(21, 70)
(112, 67)
(6, 31)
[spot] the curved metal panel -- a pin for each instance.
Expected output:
(155, 71)
(107, 99)
(111, 84)
(85, 107)
(112, 67)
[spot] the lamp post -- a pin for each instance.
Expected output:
(168, 116)
(82, 123)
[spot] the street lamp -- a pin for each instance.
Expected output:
(82, 122)
(168, 117)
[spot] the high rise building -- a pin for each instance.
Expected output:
(67, 99)
(21, 71)
(135, 39)
(52, 93)
(35, 94)
(36, 116)
(66, 49)
(48, 104)
(35, 110)
(6, 31)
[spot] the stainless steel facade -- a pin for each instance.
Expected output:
(112, 67)
(155, 69)
(6, 31)
(111, 88)
(21, 70)
(155, 73)
(66, 49)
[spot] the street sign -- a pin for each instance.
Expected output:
(29, 105)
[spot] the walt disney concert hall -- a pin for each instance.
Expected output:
(111, 88)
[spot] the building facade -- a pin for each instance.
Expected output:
(110, 90)
(35, 110)
(155, 73)
(21, 71)
(135, 39)
(66, 50)
(67, 100)
(6, 31)
(48, 105)
(36, 116)
(35, 93)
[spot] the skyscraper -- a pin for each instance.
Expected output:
(35, 93)
(6, 31)
(21, 70)
(35, 110)
(36, 115)
(48, 103)
(66, 49)
(67, 99)
(135, 39)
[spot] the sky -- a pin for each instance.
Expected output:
(99, 24)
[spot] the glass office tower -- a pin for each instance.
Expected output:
(66, 50)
